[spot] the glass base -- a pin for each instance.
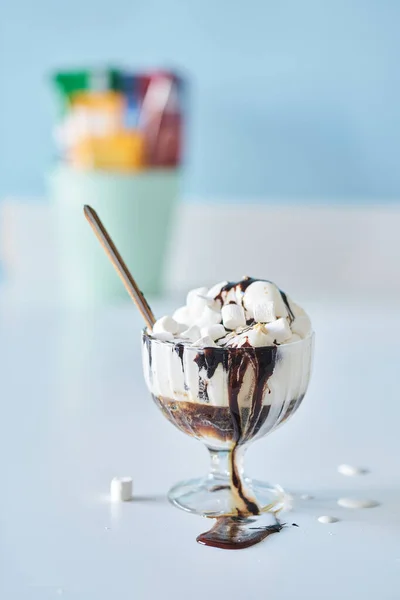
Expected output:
(212, 496)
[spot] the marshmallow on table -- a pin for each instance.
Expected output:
(233, 316)
(166, 325)
(260, 292)
(121, 489)
(192, 333)
(279, 330)
(351, 471)
(327, 519)
(213, 331)
(264, 312)
(301, 325)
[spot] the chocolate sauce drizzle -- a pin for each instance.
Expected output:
(179, 349)
(289, 309)
(236, 362)
(242, 286)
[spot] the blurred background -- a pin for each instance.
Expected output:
(290, 143)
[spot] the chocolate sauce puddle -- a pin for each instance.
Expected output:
(236, 533)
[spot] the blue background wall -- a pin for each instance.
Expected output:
(292, 99)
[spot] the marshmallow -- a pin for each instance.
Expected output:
(301, 325)
(166, 324)
(230, 338)
(205, 342)
(183, 315)
(195, 300)
(208, 317)
(121, 489)
(294, 338)
(233, 316)
(215, 289)
(182, 327)
(264, 312)
(260, 292)
(296, 309)
(258, 338)
(279, 330)
(163, 336)
(192, 333)
(214, 331)
(351, 471)
(211, 303)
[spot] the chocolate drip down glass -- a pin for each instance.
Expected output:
(227, 398)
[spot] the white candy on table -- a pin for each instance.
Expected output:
(264, 312)
(260, 292)
(121, 489)
(166, 324)
(351, 471)
(213, 331)
(205, 342)
(279, 330)
(301, 325)
(233, 316)
(192, 333)
(326, 519)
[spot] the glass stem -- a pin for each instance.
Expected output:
(227, 472)
(222, 463)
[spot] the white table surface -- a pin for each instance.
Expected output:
(75, 413)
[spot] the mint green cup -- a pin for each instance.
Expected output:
(137, 211)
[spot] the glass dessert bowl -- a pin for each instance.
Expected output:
(227, 397)
(227, 368)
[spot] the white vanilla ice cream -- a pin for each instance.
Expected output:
(192, 362)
